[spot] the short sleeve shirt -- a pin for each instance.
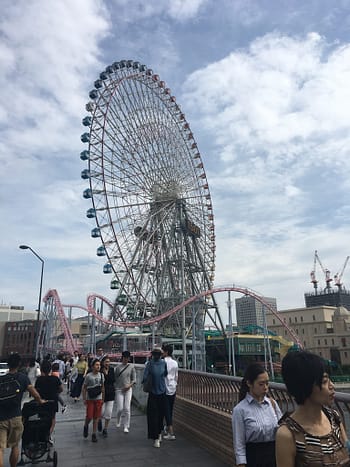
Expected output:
(47, 387)
(14, 410)
(92, 380)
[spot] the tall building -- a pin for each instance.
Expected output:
(328, 297)
(251, 312)
(20, 337)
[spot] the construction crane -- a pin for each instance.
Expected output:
(314, 281)
(326, 272)
(338, 277)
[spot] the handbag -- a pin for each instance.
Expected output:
(147, 383)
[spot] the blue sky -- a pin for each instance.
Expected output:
(265, 88)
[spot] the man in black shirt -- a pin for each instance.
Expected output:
(11, 426)
(49, 387)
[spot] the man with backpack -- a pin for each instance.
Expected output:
(12, 387)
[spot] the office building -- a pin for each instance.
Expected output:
(251, 312)
(15, 314)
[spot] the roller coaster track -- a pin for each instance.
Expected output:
(90, 308)
(53, 296)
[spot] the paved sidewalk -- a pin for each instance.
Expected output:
(119, 449)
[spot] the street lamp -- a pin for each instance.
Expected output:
(36, 342)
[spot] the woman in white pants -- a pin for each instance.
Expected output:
(107, 408)
(125, 378)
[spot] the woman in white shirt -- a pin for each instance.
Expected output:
(170, 387)
(255, 421)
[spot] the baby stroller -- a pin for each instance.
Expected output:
(37, 419)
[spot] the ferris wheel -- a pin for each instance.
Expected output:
(150, 196)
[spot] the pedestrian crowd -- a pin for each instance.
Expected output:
(91, 378)
(312, 436)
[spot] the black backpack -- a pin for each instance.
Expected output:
(10, 390)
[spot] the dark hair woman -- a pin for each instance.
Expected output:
(81, 369)
(313, 434)
(107, 407)
(255, 420)
(157, 368)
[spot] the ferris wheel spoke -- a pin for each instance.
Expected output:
(155, 119)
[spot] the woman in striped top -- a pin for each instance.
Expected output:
(313, 435)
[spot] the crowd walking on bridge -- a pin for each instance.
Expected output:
(313, 435)
(96, 382)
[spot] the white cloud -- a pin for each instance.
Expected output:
(271, 118)
(180, 10)
(50, 56)
(276, 113)
(280, 106)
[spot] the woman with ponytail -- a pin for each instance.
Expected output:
(255, 420)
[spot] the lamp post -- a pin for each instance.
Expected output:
(36, 342)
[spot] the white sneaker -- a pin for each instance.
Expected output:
(156, 443)
(160, 438)
(126, 430)
(169, 436)
(117, 424)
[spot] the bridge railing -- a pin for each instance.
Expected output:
(221, 392)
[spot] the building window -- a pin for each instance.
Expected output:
(290, 319)
(313, 318)
(297, 330)
(273, 321)
(315, 330)
(345, 354)
(343, 342)
(325, 342)
(301, 319)
(319, 342)
(320, 354)
(332, 341)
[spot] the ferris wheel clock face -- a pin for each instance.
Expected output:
(149, 192)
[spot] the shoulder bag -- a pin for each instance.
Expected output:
(95, 391)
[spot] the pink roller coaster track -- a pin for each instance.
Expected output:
(52, 294)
